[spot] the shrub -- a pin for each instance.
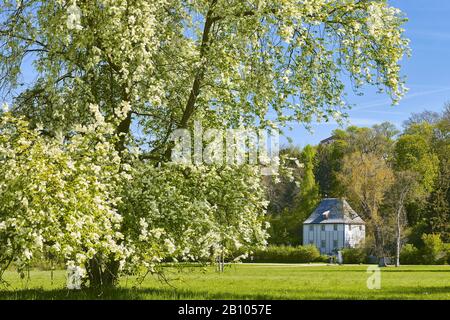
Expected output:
(433, 251)
(354, 255)
(323, 259)
(286, 254)
(410, 255)
(447, 251)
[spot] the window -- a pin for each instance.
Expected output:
(322, 227)
(350, 227)
(311, 227)
(311, 242)
(360, 228)
(335, 244)
(322, 244)
(335, 227)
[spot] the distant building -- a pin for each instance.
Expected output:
(327, 141)
(332, 226)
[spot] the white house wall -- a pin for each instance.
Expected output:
(325, 240)
(328, 240)
(354, 235)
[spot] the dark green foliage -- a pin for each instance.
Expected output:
(328, 163)
(287, 254)
(432, 252)
(438, 204)
(285, 228)
(430, 215)
(286, 224)
(417, 230)
(447, 252)
(354, 255)
(308, 197)
(409, 255)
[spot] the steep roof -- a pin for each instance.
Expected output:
(327, 140)
(333, 210)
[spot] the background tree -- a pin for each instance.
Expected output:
(328, 163)
(429, 117)
(415, 151)
(368, 177)
(402, 191)
(438, 207)
(376, 140)
(286, 225)
(281, 192)
(308, 197)
(416, 167)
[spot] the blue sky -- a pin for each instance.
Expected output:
(427, 72)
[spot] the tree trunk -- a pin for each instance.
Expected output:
(400, 211)
(379, 246)
(222, 262)
(111, 273)
(95, 273)
(103, 275)
(109, 276)
(399, 236)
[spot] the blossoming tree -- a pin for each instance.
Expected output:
(153, 67)
(58, 197)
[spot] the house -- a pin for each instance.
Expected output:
(332, 226)
(327, 141)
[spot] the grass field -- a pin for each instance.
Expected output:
(251, 282)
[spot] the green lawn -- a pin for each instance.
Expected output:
(251, 282)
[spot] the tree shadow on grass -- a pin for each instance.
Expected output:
(124, 294)
(419, 291)
(186, 294)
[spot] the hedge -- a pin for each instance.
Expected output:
(354, 256)
(434, 251)
(287, 254)
(410, 255)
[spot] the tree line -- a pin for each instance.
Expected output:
(397, 180)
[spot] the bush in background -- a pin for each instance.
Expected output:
(447, 252)
(410, 255)
(287, 254)
(354, 255)
(433, 251)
